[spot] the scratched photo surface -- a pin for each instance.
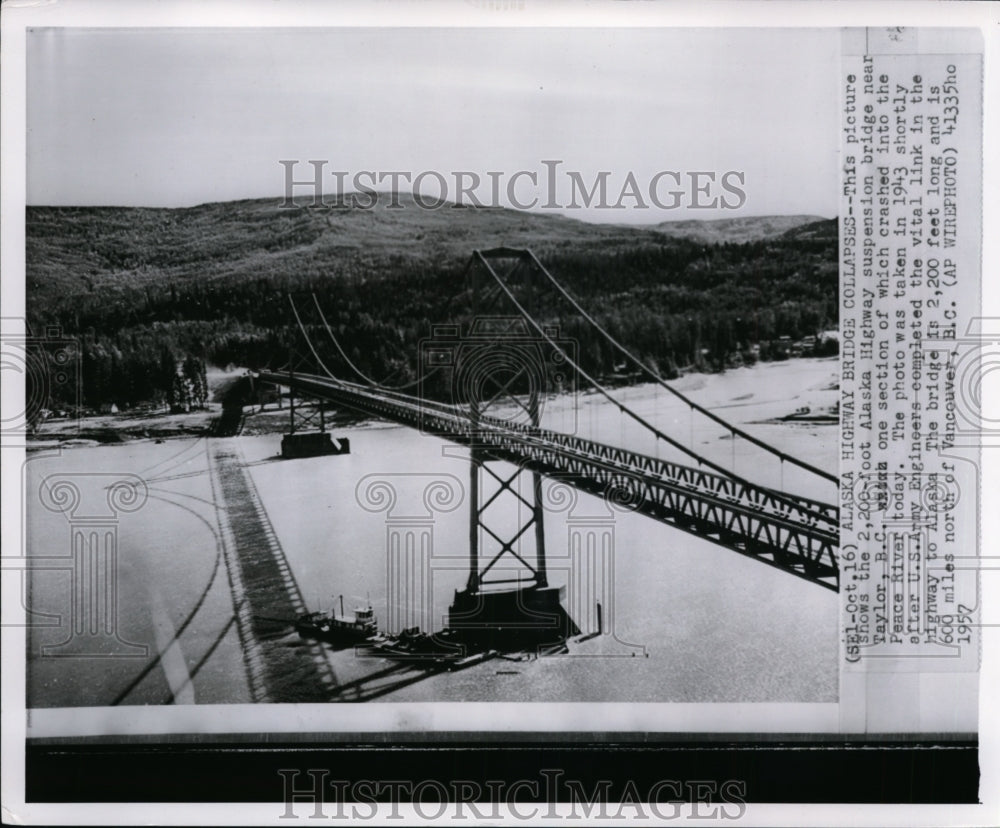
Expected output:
(390, 365)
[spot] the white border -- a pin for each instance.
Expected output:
(452, 717)
(19, 14)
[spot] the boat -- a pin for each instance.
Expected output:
(339, 628)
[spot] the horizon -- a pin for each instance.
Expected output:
(683, 219)
(185, 117)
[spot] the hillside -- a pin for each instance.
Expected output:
(737, 230)
(81, 249)
(78, 250)
(148, 290)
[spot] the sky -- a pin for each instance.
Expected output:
(178, 117)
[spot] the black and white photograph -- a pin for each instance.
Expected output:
(507, 391)
(412, 379)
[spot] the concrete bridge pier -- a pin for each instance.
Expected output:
(315, 443)
(528, 618)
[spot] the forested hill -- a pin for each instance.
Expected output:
(144, 290)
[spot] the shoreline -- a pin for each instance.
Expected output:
(128, 428)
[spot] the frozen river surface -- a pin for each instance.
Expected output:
(685, 620)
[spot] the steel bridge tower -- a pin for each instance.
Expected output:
(499, 370)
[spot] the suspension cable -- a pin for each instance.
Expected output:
(355, 368)
(305, 335)
(530, 434)
(624, 409)
(596, 385)
(656, 378)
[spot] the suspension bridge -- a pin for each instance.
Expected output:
(506, 361)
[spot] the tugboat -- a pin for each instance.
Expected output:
(339, 628)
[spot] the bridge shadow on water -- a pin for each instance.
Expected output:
(380, 679)
(390, 674)
(390, 679)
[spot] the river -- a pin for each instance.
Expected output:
(684, 619)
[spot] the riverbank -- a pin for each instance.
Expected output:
(112, 429)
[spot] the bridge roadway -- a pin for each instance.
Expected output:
(792, 533)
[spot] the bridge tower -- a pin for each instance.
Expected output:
(499, 370)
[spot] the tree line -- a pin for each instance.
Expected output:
(677, 304)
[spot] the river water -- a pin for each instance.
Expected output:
(684, 619)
